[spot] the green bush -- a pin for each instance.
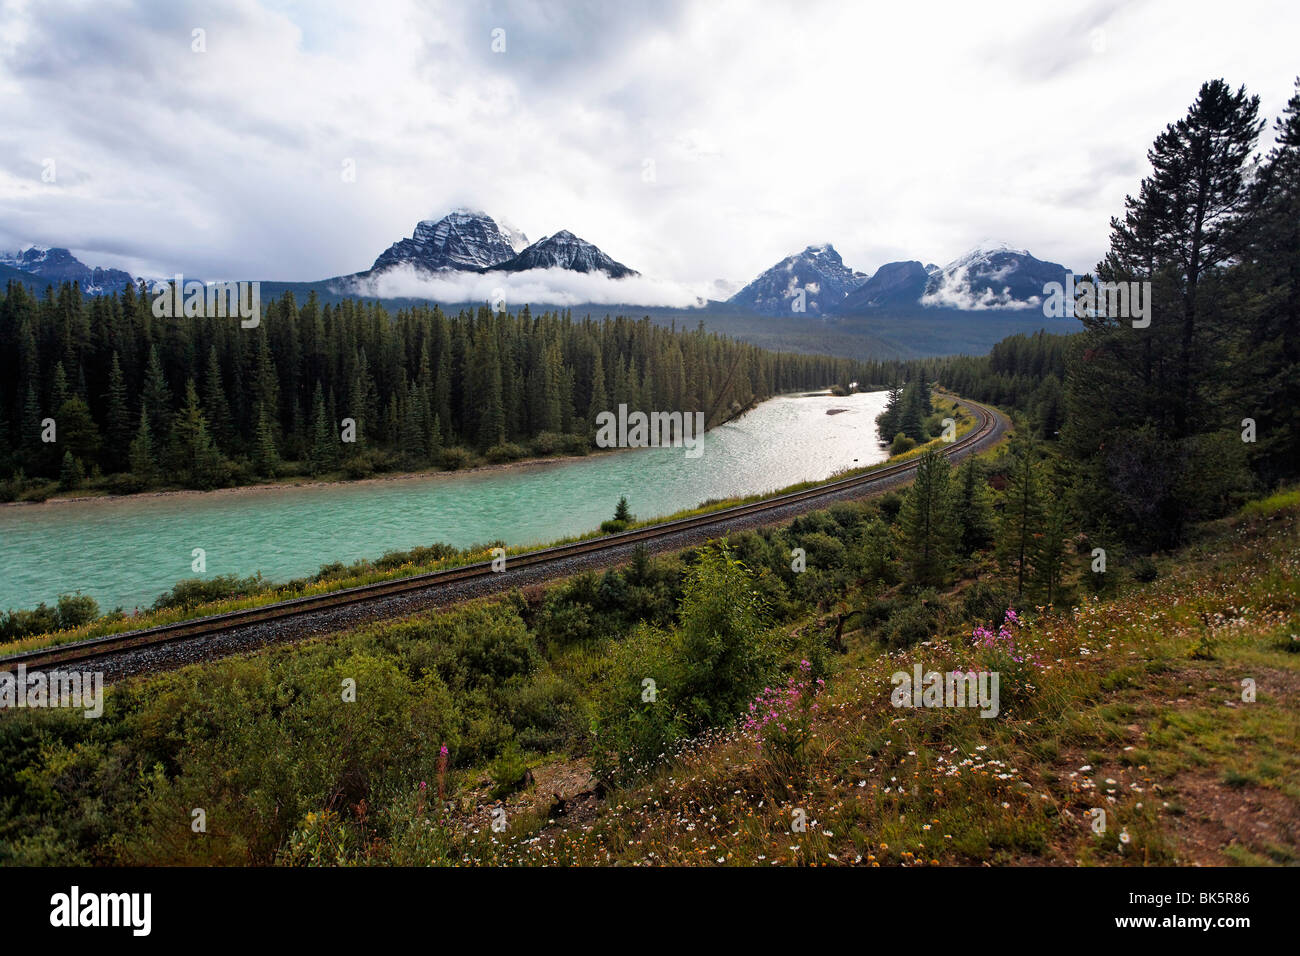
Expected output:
(499, 454)
(1144, 569)
(71, 610)
(509, 771)
(920, 619)
(454, 459)
(192, 592)
(77, 609)
(901, 444)
(720, 639)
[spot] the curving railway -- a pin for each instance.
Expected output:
(183, 642)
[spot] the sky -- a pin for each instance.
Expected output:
(692, 141)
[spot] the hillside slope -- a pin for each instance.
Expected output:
(1135, 708)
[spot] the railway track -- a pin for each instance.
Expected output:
(988, 429)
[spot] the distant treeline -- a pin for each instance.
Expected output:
(139, 401)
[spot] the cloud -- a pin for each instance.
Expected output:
(902, 131)
(560, 287)
(954, 290)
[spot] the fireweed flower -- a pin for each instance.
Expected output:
(781, 716)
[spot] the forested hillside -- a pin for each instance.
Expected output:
(202, 402)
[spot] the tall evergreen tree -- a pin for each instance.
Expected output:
(973, 509)
(117, 420)
(197, 461)
(1022, 513)
(926, 521)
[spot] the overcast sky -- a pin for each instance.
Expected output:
(690, 141)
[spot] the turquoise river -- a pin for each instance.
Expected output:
(125, 551)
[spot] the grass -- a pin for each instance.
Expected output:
(272, 593)
(1120, 718)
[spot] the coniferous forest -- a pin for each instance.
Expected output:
(139, 401)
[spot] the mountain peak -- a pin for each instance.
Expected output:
(58, 264)
(464, 239)
(564, 250)
(993, 275)
(815, 279)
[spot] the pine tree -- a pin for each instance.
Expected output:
(215, 406)
(71, 474)
(198, 462)
(58, 388)
(926, 521)
(597, 401)
(1050, 548)
(891, 418)
(142, 459)
(1268, 384)
(1144, 400)
(33, 453)
(974, 509)
(157, 397)
(266, 458)
(117, 420)
(1022, 514)
(323, 454)
(915, 407)
(414, 454)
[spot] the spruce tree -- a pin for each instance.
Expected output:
(974, 509)
(1022, 514)
(198, 462)
(266, 458)
(142, 458)
(926, 521)
(117, 420)
(323, 452)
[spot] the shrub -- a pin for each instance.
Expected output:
(633, 722)
(921, 619)
(195, 591)
(77, 609)
(499, 454)
(720, 639)
(71, 610)
(509, 771)
(983, 603)
(1144, 569)
(548, 443)
(891, 503)
(454, 459)
(901, 444)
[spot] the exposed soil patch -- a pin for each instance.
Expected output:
(1218, 815)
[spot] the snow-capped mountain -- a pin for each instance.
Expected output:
(814, 281)
(893, 284)
(60, 265)
(564, 250)
(464, 239)
(992, 277)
